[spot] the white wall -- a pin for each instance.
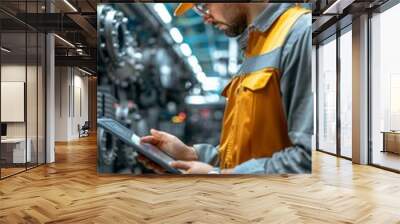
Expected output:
(61, 103)
(14, 73)
(81, 100)
(71, 93)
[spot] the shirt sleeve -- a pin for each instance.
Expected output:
(298, 103)
(207, 153)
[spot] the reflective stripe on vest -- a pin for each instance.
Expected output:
(254, 122)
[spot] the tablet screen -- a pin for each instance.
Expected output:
(128, 136)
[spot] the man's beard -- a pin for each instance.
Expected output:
(235, 28)
(234, 31)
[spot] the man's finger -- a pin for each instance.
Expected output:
(141, 158)
(145, 163)
(157, 169)
(150, 139)
(157, 134)
(207, 19)
(183, 165)
(150, 165)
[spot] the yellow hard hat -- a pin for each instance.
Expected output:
(182, 8)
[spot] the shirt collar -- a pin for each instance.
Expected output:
(264, 21)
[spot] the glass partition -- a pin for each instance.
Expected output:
(15, 150)
(22, 77)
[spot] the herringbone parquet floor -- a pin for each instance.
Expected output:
(70, 191)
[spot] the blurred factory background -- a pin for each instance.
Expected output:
(156, 71)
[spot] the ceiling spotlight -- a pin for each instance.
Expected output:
(84, 71)
(5, 50)
(65, 41)
(70, 5)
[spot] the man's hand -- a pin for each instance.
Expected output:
(192, 167)
(170, 144)
(150, 165)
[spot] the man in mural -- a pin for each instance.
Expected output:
(268, 119)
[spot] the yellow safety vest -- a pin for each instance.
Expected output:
(254, 123)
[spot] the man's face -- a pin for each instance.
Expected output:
(227, 17)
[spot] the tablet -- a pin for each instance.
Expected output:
(129, 137)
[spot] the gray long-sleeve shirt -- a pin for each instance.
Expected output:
(295, 85)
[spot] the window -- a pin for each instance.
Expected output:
(327, 96)
(346, 93)
(385, 89)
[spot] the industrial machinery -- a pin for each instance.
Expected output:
(141, 83)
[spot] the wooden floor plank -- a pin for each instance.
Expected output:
(70, 191)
